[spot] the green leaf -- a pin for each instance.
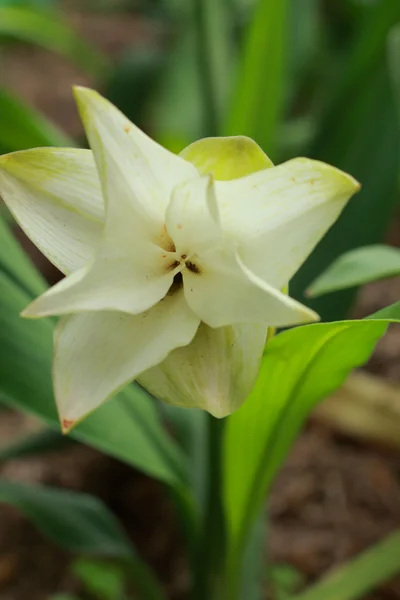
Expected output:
(23, 127)
(394, 64)
(103, 581)
(45, 440)
(46, 29)
(189, 427)
(257, 101)
(391, 313)
(214, 53)
(133, 81)
(127, 427)
(358, 134)
(357, 267)
(359, 576)
(82, 524)
(177, 110)
(16, 265)
(77, 522)
(300, 367)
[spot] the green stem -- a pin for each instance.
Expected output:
(206, 60)
(209, 582)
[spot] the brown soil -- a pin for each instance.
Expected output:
(333, 498)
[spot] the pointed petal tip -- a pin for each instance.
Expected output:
(26, 313)
(67, 425)
(30, 312)
(344, 181)
(309, 316)
(81, 90)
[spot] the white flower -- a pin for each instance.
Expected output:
(153, 246)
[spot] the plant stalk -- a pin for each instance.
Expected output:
(209, 577)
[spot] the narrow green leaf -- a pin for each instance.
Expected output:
(77, 522)
(189, 427)
(300, 367)
(16, 265)
(361, 575)
(394, 64)
(176, 112)
(391, 313)
(103, 581)
(357, 267)
(22, 127)
(46, 29)
(127, 427)
(214, 59)
(83, 524)
(257, 101)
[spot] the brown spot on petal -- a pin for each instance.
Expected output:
(127, 128)
(67, 425)
(179, 226)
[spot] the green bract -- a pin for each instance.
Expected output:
(173, 265)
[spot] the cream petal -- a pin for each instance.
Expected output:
(215, 372)
(112, 282)
(137, 174)
(192, 218)
(96, 354)
(55, 196)
(224, 291)
(278, 215)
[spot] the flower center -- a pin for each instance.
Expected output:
(174, 261)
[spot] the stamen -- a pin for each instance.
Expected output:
(192, 267)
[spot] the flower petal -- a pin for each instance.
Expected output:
(137, 174)
(55, 196)
(215, 372)
(278, 215)
(96, 354)
(112, 282)
(192, 218)
(224, 291)
(227, 157)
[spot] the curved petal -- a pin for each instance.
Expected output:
(96, 354)
(215, 372)
(112, 282)
(278, 215)
(137, 174)
(227, 157)
(224, 291)
(55, 196)
(192, 218)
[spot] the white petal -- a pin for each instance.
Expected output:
(192, 216)
(138, 175)
(225, 292)
(112, 282)
(278, 215)
(96, 354)
(215, 372)
(55, 196)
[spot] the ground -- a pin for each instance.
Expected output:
(334, 497)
